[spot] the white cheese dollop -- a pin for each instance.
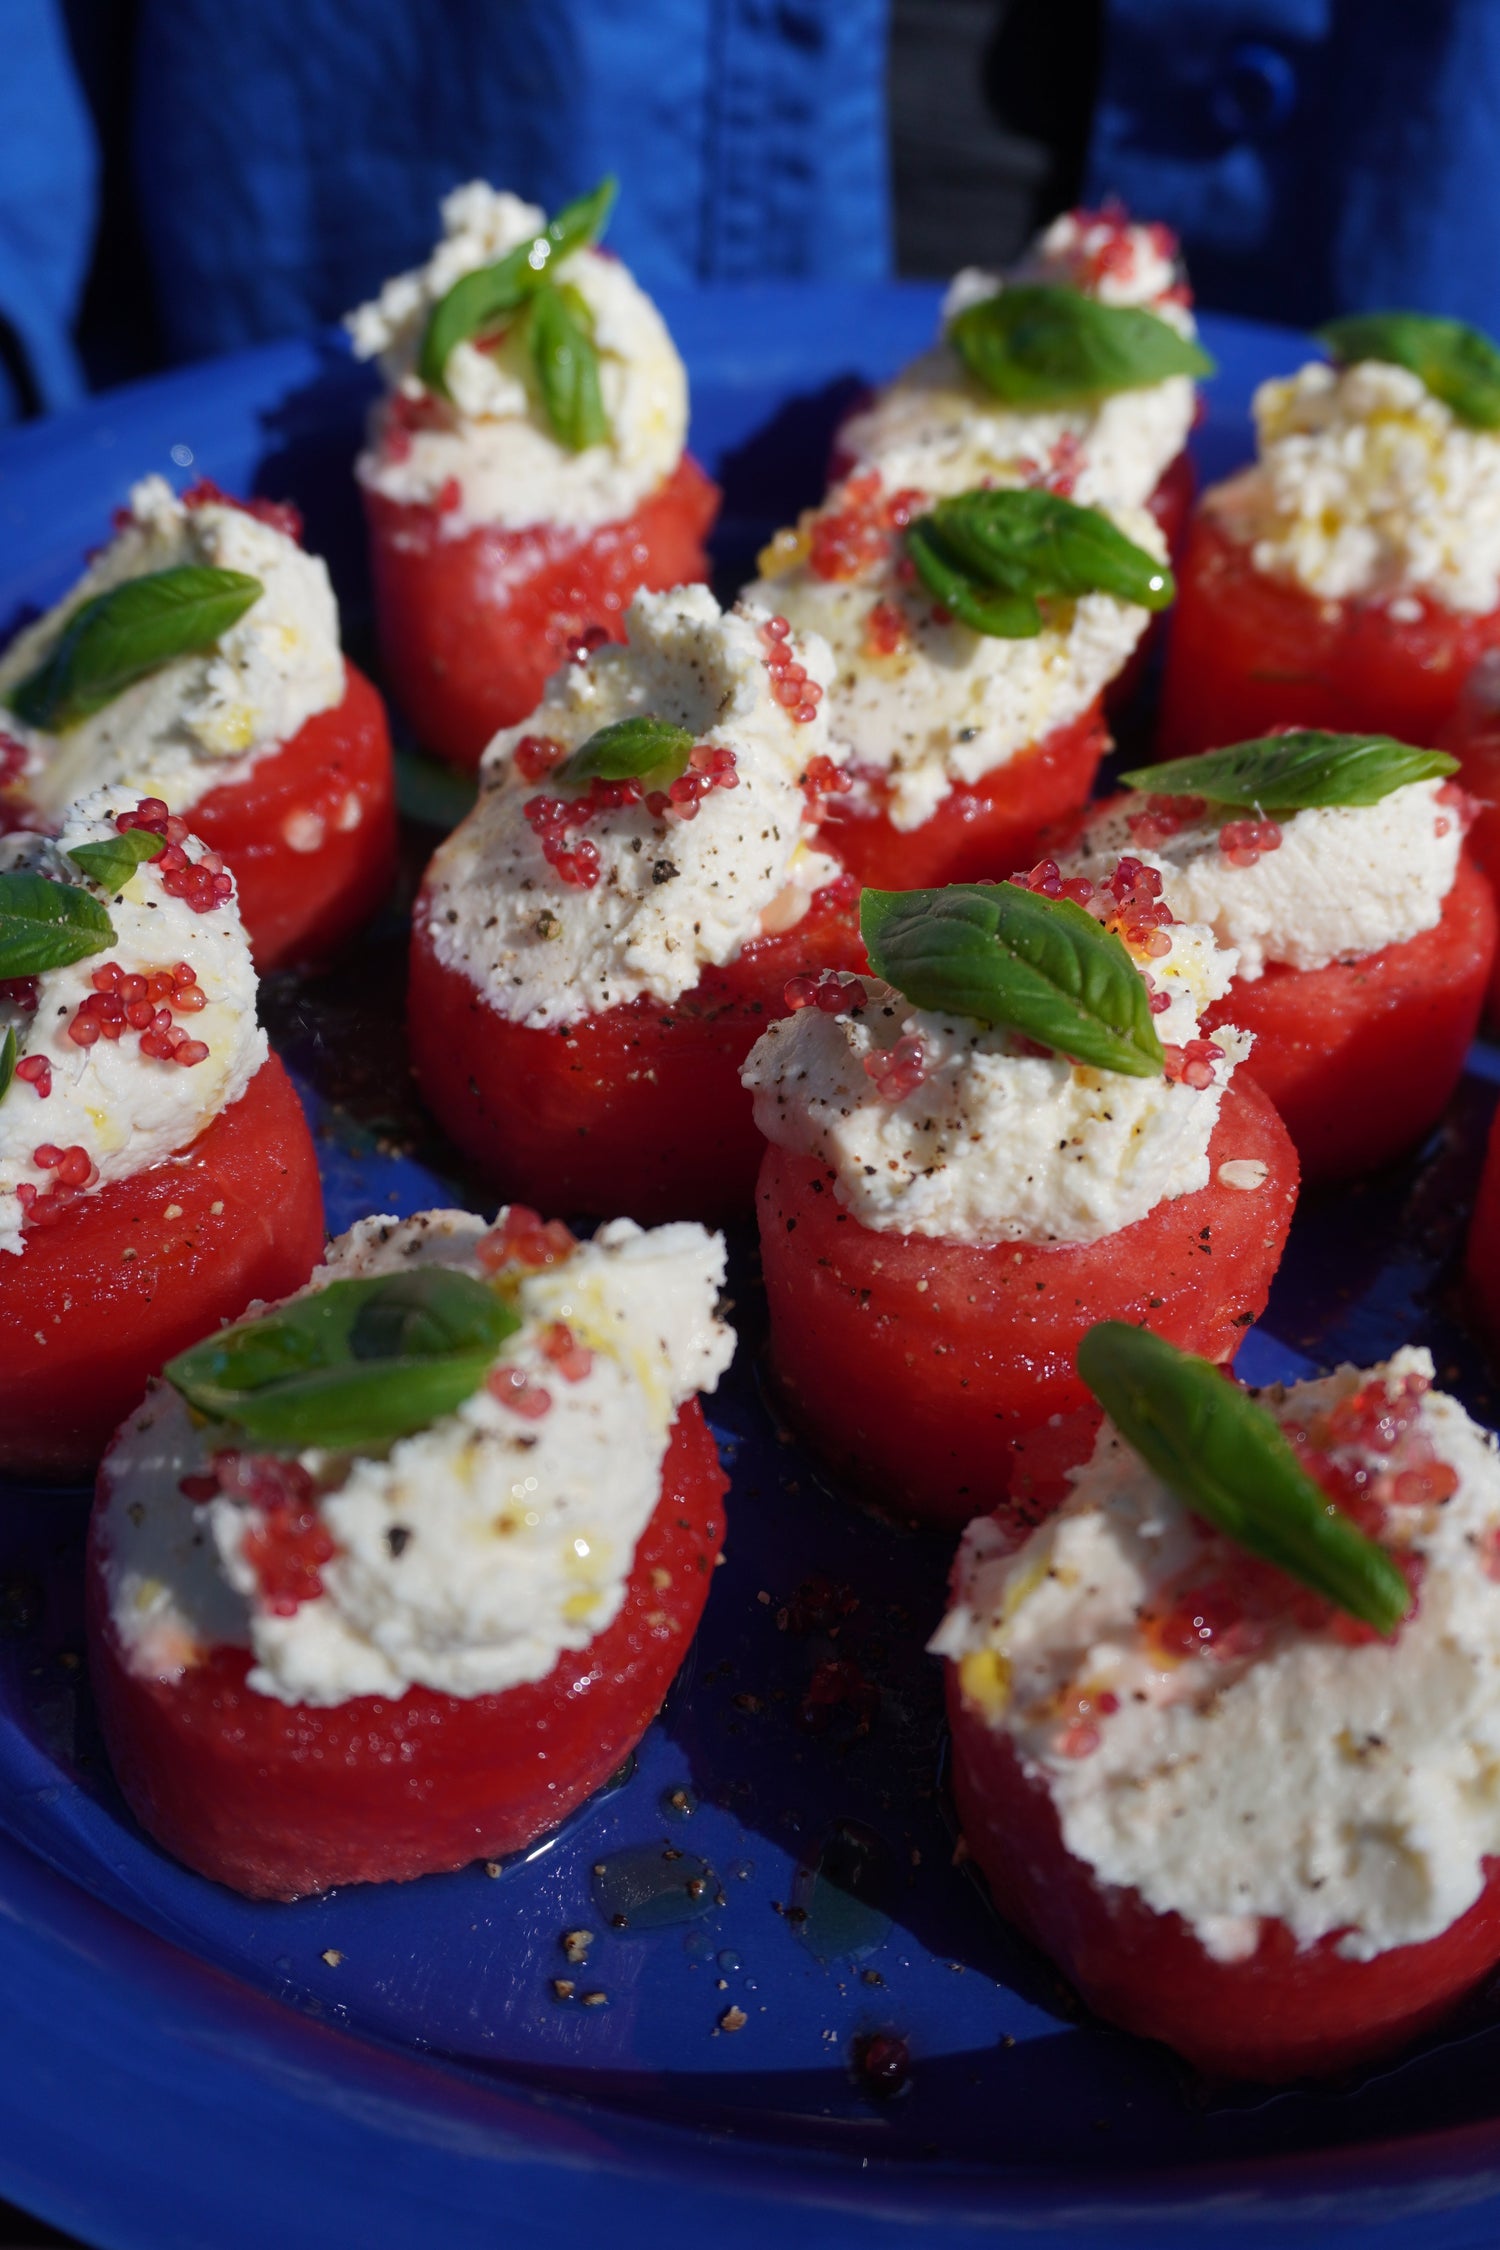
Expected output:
(1367, 485)
(494, 441)
(951, 705)
(673, 896)
(937, 428)
(1109, 256)
(1345, 880)
(1331, 1787)
(995, 1145)
(516, 1536)
(126, 1109)
(199, 722)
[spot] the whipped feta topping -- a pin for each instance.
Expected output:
(1106, 255)
(492, 442)
(937, 427)
(995, 1145)
(1331, 1787)
(1344, 881)
(946, 704)
(673, 896)
(126, 1109)
(200, 722)
(472, 1554)
(1366, 485)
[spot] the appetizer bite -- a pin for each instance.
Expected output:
(156, 1171)
(1335, 866)
(598, 945)
(197, 661)
(1351, 577)
(1220, 1724)
(1075, 370)
(1021, 1131)
(525, 472)
(972, 643)
(392, 1576)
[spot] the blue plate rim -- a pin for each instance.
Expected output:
(141, 2088)
(223, 2074)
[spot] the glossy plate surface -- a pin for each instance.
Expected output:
(178, 2067)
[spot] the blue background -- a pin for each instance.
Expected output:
(224, 175)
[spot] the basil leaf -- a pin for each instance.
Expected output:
(473, 304)
(493, 292)
(426, 1313)
(1038, 543)
(579, 224)
(118, 637)
(1037, 345)
(1035, 965)
(113, 862)
(1002, 615)
(1287, 772)
(357, 1364)
(1227, 1458)
(347, 1408)
(7, 1063)
(561, 338)
(46, 925)
(1458, 364)
(629, 748)
(990, 557)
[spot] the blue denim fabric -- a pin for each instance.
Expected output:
(47, 188)
(1315, 155)
(291, 154)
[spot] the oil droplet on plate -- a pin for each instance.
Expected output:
(653, 1886)
(840, 1905)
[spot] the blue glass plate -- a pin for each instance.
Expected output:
(831, 2036)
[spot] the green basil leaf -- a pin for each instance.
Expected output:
(1038, 543)
(561, 338)
(1001, 614)
(46, 925)
(990, 557)
(8, 1054)
(477, 300)
(347, 1408)
(1035, 965)
(1287, 772)
(1037, 345)
(1227, 1458)
(579, 224)
(629, 749)
(113, 862)
(428, 1312)
(359, 1363)
(424, 1313)
(118, 637)
(1458, 364)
